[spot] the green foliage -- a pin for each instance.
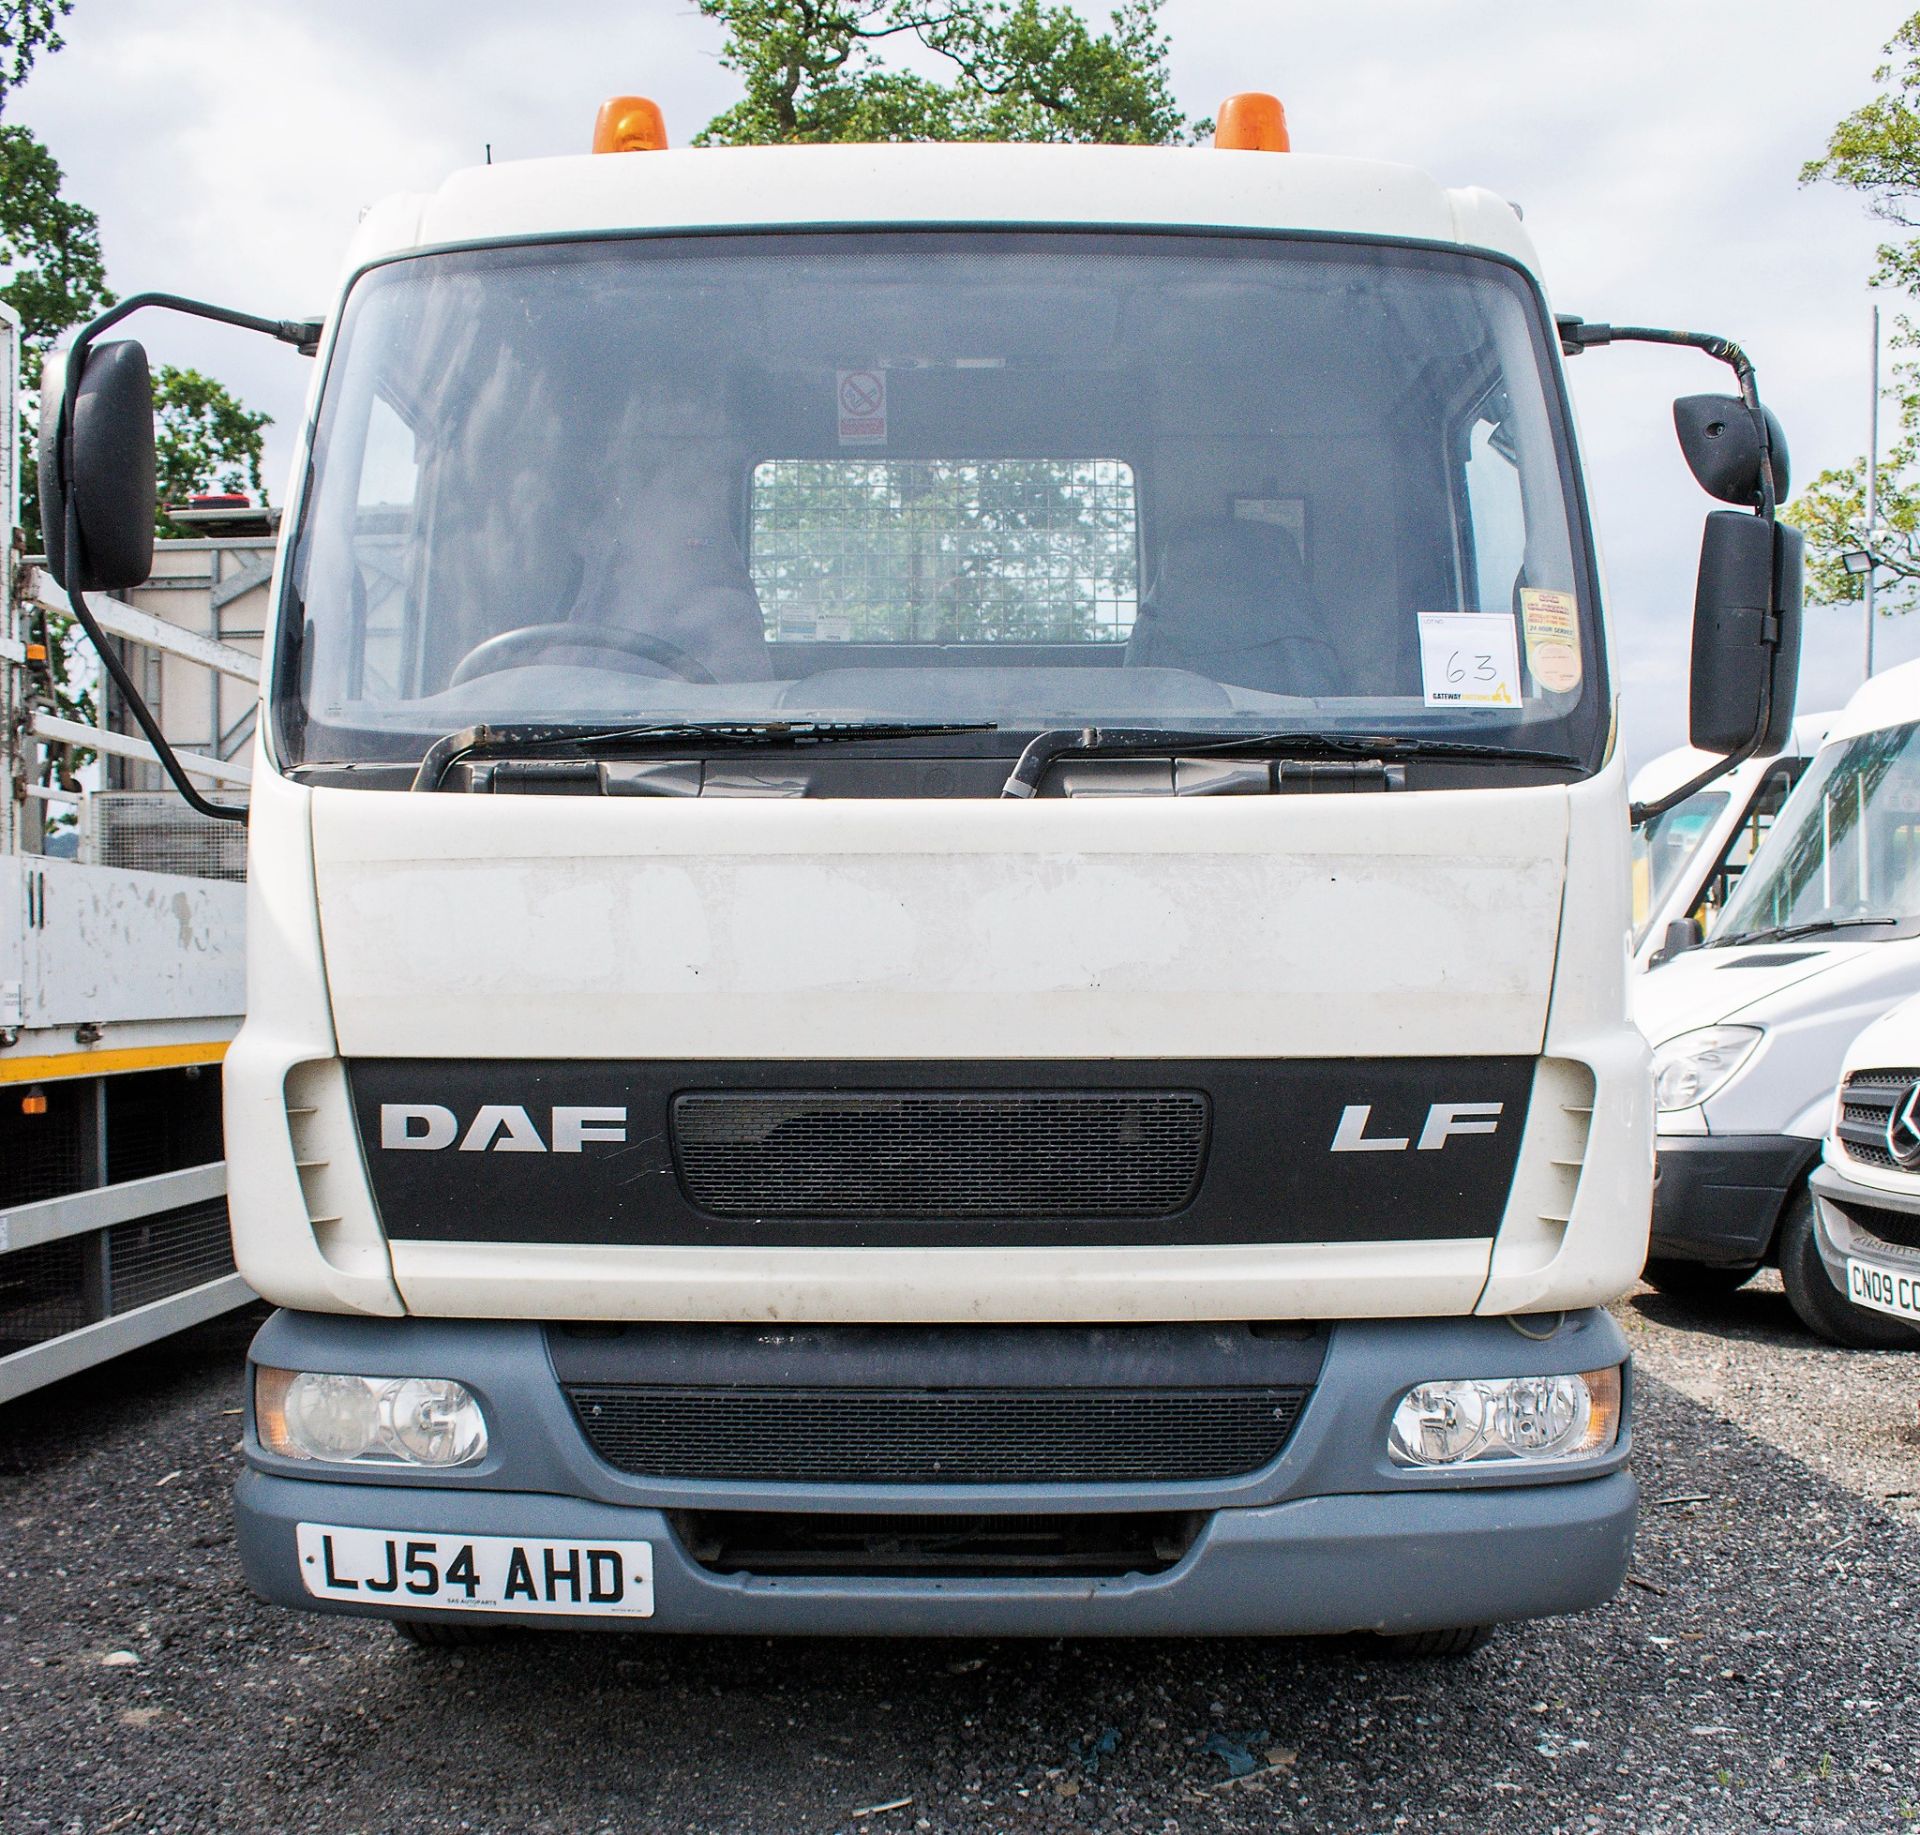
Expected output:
(204, 440)
(1876, 151)
(814, 71)
(878, 550)
(27, 27)
(49, 248)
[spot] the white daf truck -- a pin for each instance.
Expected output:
(939, 899)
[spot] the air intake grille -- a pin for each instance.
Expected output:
(1867, 1099)
(919, 1436)
(985, 1153)
(1901, 1228)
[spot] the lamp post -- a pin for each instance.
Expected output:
(1873, 492)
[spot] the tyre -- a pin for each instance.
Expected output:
(1822, 1308)
(1696, 1280)
(440, 1634)
(1456, 1641)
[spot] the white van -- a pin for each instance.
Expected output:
(1820, 937)
(1687, 859)
(1867, 1192)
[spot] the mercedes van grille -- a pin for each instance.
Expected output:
(947, 1153)
(923, 1436)
(1867, 1099)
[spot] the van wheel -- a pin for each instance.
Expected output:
(1457, 1641)
(437, 1634)
(1822, 1308)
(1696, 1280)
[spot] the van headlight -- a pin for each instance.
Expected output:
(1507, 1420)
(1690, 1068)
(368, 1420)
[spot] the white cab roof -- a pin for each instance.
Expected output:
(767, 187)
(1891, 698)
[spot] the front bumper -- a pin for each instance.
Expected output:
(1872, 1226)
(1718, 1198)
(1329, 1537)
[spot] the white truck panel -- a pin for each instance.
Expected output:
(96, 943)
(588, 927)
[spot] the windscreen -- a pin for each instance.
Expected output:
(1022, 480)
(1664, 845)
(1845, 850)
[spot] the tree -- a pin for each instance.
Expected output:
(814, 71)
(27, 27)
(204, 440)
(1876, 151)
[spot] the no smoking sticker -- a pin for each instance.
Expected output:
(861, 396)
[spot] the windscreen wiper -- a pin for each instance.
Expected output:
(519, 740)
(1786, 933)
(1044, 748)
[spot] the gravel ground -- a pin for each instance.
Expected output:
(1755, 1676)
(1853, 1415)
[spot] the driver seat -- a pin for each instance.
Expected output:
(1230, 601)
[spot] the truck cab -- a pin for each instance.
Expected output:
(939, 892)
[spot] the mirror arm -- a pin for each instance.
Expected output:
(1659, 805)
(136, 702)
(1578, 334)
(302, 333)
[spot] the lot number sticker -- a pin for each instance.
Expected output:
(1469, 659)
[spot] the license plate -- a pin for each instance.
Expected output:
(1884, 1292)
(486, 1573)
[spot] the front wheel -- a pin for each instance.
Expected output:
(1822, 1308)
(440, 1634)
(1696, 1280)
(1455, 1641)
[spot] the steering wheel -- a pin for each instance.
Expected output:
(516, 648)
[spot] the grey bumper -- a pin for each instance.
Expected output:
(1321, 1564)
(1865, 1224)
(1330, 1537)
(1718, 1198)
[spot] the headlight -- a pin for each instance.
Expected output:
(1507, 1419)
(368, 1420)
(1689, 1069)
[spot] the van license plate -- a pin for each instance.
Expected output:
(484, 1573)
(1898, 1294)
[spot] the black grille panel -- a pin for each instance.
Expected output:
(1867, 1098)
(949, 1153)
(921, 1436)
(1901, 1228)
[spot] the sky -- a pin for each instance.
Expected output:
(229, 148)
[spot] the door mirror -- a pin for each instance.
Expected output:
(1722, 448)
(1681, 935)
(112, 476)
(1746, 634)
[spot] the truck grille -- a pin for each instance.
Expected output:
(1867, 1099)
(922, 1436)
(950, 1153)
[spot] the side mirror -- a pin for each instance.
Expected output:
(1681, 935)
(1746, 634)
(112, 477)
(1722, 448)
